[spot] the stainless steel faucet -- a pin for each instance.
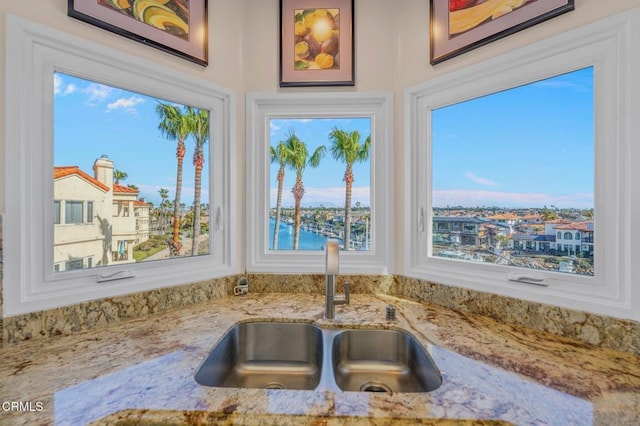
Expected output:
(332, 265)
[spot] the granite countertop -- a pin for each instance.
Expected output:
(141, 372)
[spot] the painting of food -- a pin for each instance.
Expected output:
(465, 15)
(171, 16)
(316, 39)
(458, 26)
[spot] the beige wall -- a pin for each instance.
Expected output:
(80, 240)
(391, 53)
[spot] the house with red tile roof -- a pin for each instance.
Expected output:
(95, 220)
(575, 237)
(559, 234)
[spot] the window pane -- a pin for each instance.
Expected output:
(513, 176)
(144, 176)
(89, 211)
(72, 212)
(56, 212)
(73, 264)
(320, 183)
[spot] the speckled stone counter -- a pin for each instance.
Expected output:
(141, 372)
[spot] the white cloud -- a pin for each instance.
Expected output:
(480, 180)
(71, 88)
(127, 104)
(274, 127)
(286, 123)
(58, 86)
(97, 92)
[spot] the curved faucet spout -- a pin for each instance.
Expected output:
(332, 261)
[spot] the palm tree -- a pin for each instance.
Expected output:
(175, 126)
(119, 175)
(347, 147)
(187, 220)
(280, 155)
(164, 194)
(198, 121)
(299, 159)
(548, 214)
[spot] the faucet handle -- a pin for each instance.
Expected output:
(347, 291)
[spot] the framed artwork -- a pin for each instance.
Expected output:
(178, 27)
(458, 26)
(316, 43)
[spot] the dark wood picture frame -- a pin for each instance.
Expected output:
(317, 43)
(473, 24)
(142, 25)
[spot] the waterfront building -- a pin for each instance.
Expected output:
(527, 234)
(465, 231)
(528, 242)
(575, 237)
(507, 218)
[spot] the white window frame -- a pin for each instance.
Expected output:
(34, 52)
(260, 109)
(609, 47)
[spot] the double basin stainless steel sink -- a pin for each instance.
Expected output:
(303, 356)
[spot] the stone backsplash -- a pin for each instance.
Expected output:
(99, 313)
(598, 330)
(310, 283)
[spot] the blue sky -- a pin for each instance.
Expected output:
(526, 147)
(91, 119)
(323, 185)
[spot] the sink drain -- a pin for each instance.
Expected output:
(375, 387)
(274, 385)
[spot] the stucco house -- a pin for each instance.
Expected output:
(96, 221)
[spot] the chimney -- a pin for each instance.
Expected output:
(103, 170)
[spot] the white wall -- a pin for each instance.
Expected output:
(392, 52)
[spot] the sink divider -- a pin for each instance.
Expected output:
(327, 376)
